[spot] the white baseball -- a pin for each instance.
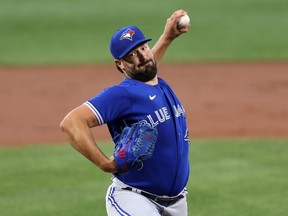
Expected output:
(184, 21)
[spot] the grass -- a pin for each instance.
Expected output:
(73, 32)
(239, 177)
(50, 180)
(228, 177)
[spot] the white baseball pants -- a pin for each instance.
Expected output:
(121, 202)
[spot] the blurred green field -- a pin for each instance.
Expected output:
(228, 177)
(74, 32)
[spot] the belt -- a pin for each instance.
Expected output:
(159, 199)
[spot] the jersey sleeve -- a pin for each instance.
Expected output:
(110, 104)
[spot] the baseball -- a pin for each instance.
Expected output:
(184, 21)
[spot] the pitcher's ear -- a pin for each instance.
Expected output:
(119, 66)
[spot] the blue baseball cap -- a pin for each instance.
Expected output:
(125, 39)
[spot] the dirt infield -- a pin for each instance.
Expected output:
(221, 100)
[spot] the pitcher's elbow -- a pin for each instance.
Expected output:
(64, 125)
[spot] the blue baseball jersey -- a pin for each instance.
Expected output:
(167, 171)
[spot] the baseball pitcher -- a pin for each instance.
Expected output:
(147, 123)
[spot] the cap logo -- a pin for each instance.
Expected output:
(128, 34)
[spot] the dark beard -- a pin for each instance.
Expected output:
(145, 75)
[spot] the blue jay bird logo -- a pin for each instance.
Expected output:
(128, 34)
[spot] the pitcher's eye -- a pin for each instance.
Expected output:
(145, 47)
(132, 54)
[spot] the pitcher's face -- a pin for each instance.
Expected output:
(139, 64)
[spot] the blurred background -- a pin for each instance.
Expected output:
(72, 32)
(230, 72)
